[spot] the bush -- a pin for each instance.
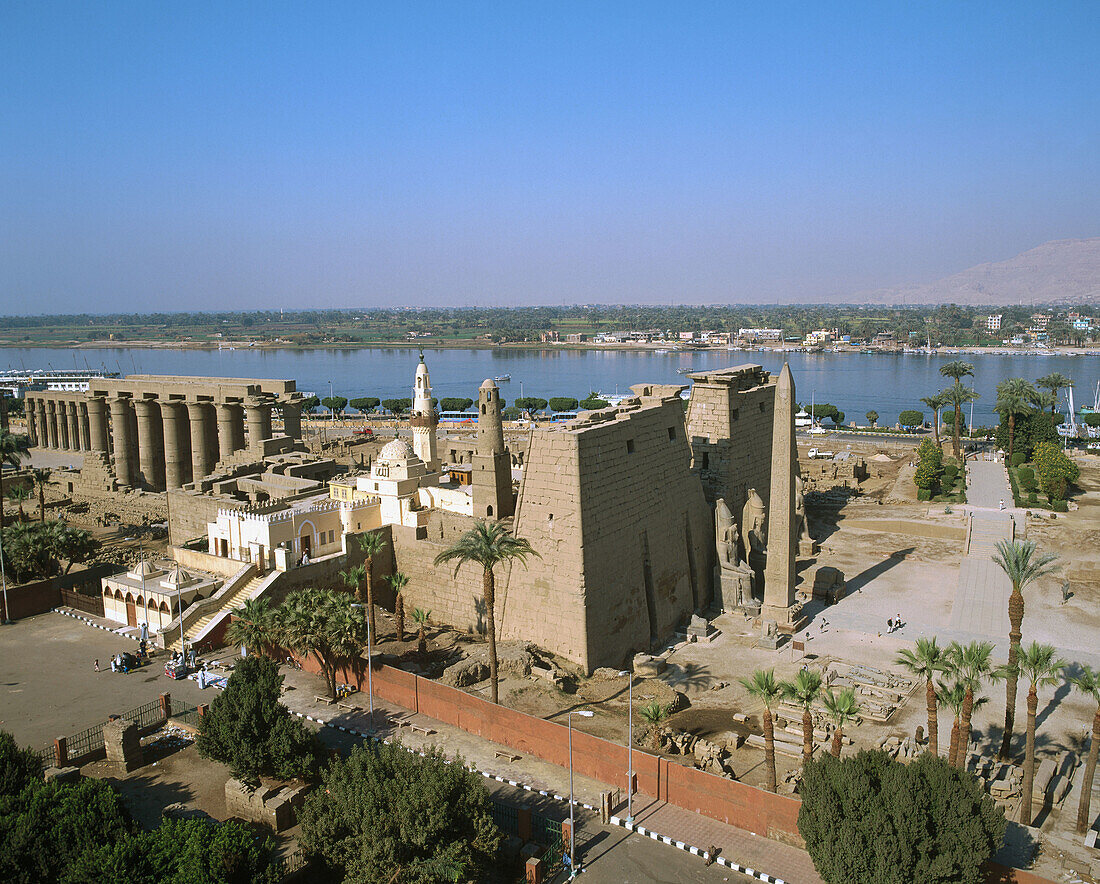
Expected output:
(1033, 498)
(1018, 459)
(1026, 475)
(911, 418)
(1059, 506)
(385, 812)
(46, 827)
(194, 851)
(1055, 470)
(18, 767)
(950, 474)
(871, 819)
(924, 494)
(248, 728)
(1031, 429)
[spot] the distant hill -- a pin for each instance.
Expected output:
(1064, 271)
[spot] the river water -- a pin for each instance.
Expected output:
(854, 382)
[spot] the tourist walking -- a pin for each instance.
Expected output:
(97, 664)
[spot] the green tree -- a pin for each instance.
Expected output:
(936, 402)
(41, 478)
(1088, 683)
(325, 625)
(804, 691)
(563, 403)
(1040, 667)
(871, 819)
(19, 494)
(972, 665)
(511, 414)
(1031, 429)
(1055, 382)
(488, 544)
(842, 708)
(397, 406)
(310, 404)
(872, 417)
(192, 851)
(958, 395)
(365, 404)
(19, 767)
(925, 662)
(911, 418)
(421, 618)
(385, 814)
(46, 827)
(74, 545)
(372, 545)
(249, 729)
(455, 403)
(1056, 470)
(531, 404)
(13, 449)
(253, 626)
(594, 403)
(762, 686)
(335, 404)
(1023, 566)
(398, 580)
(1014, 398)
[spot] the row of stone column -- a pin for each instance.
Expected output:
(156, 443)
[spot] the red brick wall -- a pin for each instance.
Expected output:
(731, 802)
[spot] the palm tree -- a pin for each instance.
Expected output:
(1038, 665)
(762, 686)
(842, 708)
(18, 494)
(371, 545)
(1014, 397)
(952, 696)
(972, 665)
(398, 580)
(1054, 382)
(925, 662)
(958, 395)
(936, 402)
(354, 577)
(1017, 558)
(41, 476)
(804, 691)
(420, 616)
(253, 626)
(1088, 683)
(488, 544)
(324, 624)
(13, 449)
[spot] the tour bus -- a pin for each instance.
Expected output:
(458, 417)
(564, 416)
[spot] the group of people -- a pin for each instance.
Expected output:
(894, 624)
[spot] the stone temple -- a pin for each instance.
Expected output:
(674, 502)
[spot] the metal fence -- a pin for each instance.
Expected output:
(547, 832)
(90, 740)
(505, 816)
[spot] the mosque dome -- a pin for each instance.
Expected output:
(145, 570)
(397, 451)
(179, 579)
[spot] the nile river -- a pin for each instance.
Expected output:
(854, 382)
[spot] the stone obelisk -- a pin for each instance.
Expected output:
(779, 573)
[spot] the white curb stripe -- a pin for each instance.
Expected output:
(696, 851)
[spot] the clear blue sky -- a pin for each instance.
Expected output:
(230, 155)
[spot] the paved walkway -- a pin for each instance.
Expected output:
(987, 484)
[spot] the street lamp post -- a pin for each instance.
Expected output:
(629, 745)
(585, 713)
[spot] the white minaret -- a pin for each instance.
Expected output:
(424, 418)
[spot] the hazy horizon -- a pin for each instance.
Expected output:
(236, 157)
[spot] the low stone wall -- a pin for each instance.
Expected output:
(29, 599)
(274, 806)
(931, 530)
(201, 561)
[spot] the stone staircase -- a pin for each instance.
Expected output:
(196, 630)
(985, 530)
